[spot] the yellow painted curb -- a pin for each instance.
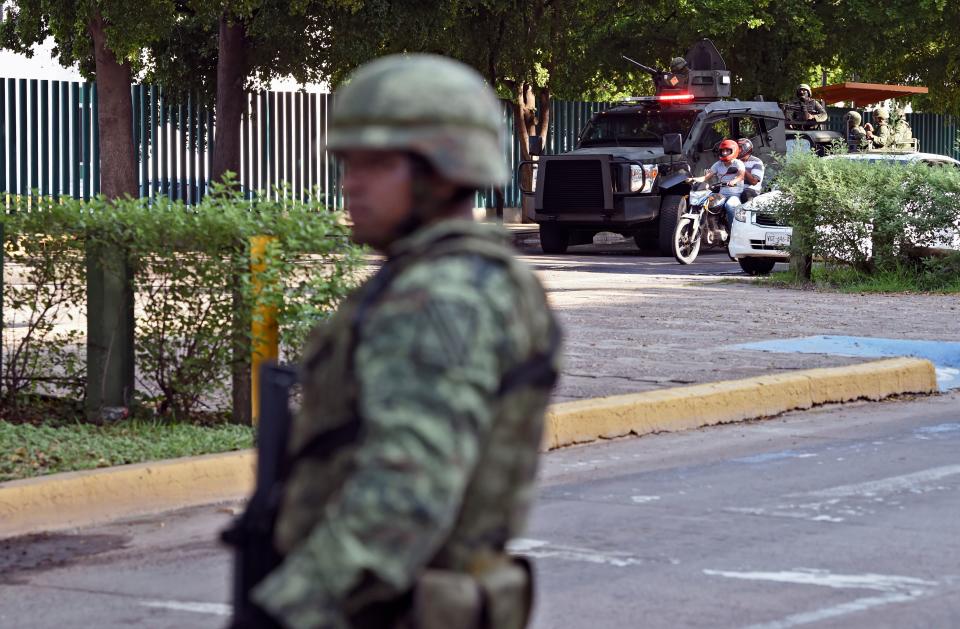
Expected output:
(78, 499)
(682, 408)
(82, 498)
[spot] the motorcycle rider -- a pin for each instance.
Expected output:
(730, 172)
(753, 175)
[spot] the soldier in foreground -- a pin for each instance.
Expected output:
(412, 460)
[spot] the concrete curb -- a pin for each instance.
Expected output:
(714, 403)
(77, 499)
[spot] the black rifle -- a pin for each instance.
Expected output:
(251, 534)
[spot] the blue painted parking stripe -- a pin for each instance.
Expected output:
(944, 355)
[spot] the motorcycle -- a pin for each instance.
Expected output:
(701, 222)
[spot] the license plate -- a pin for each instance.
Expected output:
(777, 240)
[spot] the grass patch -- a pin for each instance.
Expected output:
(28, 450)
(940, 276)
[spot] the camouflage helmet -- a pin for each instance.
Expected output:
(854, 117)
(426, 104)
(678, 64)
(881, 113)
(804, 86)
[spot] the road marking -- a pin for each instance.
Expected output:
(213, 609)
(539, 549)
(836, 504)
(894, 484)
(944, 355)
(939, 429)
(775, 456)
(643, 499)
(825, 578)
(896, 589)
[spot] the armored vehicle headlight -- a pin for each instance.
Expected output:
(643, 177)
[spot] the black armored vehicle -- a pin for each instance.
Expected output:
(628, 172)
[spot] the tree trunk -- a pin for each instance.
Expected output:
(118, 168)
(110, 322)
(529, 121)
(231, 74)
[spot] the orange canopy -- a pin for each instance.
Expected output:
(864, 93)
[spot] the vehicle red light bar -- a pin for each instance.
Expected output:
(673, 98)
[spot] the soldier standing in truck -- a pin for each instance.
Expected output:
(804, 112)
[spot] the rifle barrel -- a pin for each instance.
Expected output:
(640, 65)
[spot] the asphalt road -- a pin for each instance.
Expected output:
(840, 517)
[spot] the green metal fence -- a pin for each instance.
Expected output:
(49, 141)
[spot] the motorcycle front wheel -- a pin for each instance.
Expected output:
(686, 241)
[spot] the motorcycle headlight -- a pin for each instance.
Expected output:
(740, 215)
(643, 177)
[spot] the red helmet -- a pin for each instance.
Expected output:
(746, 147)
(728, 151)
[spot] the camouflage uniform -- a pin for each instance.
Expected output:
(902, 133)
(680, 70)
(881, 135)
(805, 105)
(856, 134)
(441, 365)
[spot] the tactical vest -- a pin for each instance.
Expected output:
(323, 441)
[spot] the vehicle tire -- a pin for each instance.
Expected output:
(670, 210)
(646, 240)
(554, 239)
(686, 243)
(757, 266)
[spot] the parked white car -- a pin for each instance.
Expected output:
(757, 242)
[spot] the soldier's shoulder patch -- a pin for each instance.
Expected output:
(448, 331)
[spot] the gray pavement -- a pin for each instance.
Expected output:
(840, 517)
(634, 322)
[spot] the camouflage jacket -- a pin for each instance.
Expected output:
(882, 136)
(423, 355)
(857, 138)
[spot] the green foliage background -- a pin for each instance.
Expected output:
(188, 264)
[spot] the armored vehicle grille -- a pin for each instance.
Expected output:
(573, 184)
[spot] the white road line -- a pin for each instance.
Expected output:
(858, 605)
(539, 549)
(214, 609)
(896, 589)
(825, 578)
(908, 482)
(836, 504)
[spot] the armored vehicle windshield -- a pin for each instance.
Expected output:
(639, 126)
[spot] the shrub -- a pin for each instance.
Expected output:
(869, 215)
(193, 285)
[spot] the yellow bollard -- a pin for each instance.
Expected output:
(264, 329)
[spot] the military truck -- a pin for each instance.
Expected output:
(628, 172)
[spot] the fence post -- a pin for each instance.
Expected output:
(110, 330)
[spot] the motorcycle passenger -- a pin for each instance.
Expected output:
(729, 171)
(753, 175)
